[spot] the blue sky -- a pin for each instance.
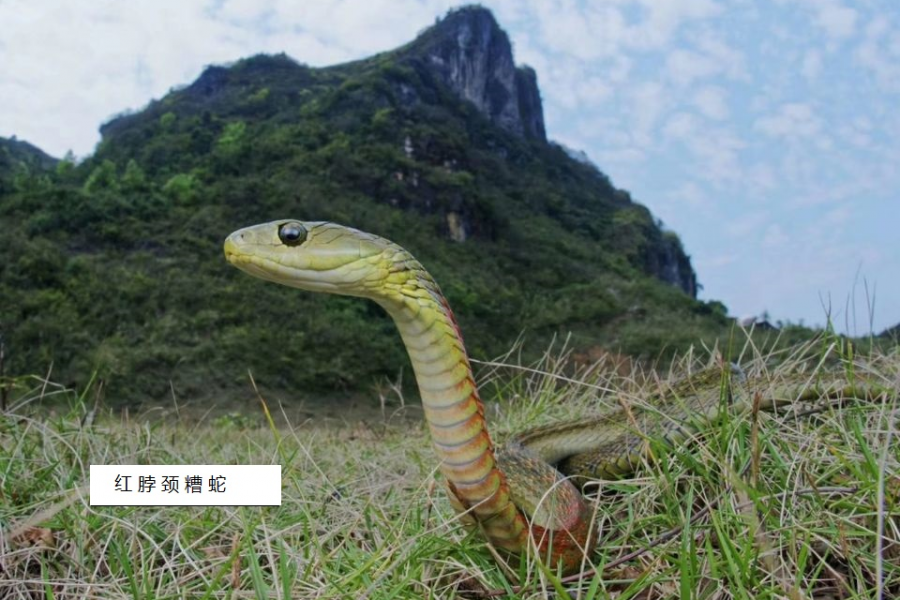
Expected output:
(765, 134)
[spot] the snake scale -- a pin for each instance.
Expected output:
(525, 494)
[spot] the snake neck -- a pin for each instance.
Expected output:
(453, 410)
(455, 417)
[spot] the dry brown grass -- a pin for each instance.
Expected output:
(761, 506)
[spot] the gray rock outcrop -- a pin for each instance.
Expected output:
(472, 56)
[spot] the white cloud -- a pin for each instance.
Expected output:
(580, 32)
(749, 223)
(648, 102)
(707, 56)
(685, 66)
(68, 66)
(760, 181)
(102, 58)
(665, 18)
(719, 261)
(879, 53)
(680, 126)
(592, 90)
(812, 65)
(712, 102)
(716, 150)
(592, 30)
(793, 120)
(731, 62)
(621, 156)
(857, 133)
(692, 195)
(775, 238)
(837, 20)
(243, 10)
(569, 86)
(838, 216)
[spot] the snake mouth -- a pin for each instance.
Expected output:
(268, 269)
(231, 251)
(257, 265)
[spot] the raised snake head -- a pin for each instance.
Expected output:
(324, 257)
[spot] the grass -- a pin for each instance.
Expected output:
(760, 506)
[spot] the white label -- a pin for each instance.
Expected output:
(185, 485)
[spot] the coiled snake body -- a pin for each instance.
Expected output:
(520, 495)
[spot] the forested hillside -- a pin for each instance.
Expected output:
(114, 265)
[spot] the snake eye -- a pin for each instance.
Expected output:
(292, 234)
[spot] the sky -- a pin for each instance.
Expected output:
(764, 133)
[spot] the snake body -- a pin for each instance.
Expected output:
(520, 495)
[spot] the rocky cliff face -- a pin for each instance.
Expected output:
(670, 264)
(472, 56)
(531, 110)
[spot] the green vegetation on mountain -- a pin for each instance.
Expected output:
(115, 264)
(20, 162)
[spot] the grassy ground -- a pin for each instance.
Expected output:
(773, 506)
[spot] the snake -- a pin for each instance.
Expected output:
(526, 495)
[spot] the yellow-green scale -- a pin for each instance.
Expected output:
(453, 410)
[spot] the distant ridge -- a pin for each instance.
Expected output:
(16, 155)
